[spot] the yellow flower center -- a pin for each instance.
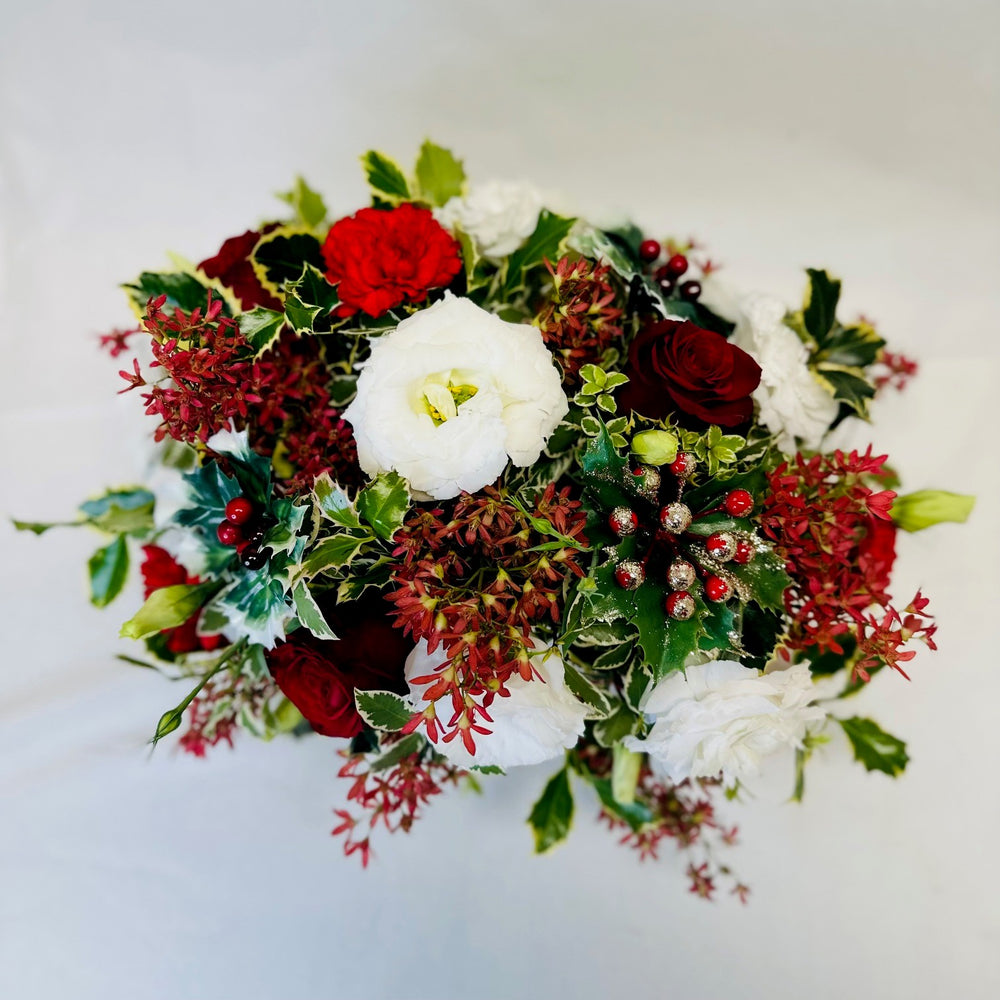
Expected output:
(442, 394)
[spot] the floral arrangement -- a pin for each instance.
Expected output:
(472, 484)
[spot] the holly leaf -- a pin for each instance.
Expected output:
(280, 255)
(309, 302)
(333, 553)
(440, 176)
(108, 568)
(543, 244)
(166, 608)
(122, 511)
(764, 579)
(183, 291)
(853, 346)
(612, 730)
(848, 385)
(875, 748)
(308, 613)
(385, 178)
(384, 503)
(665, 642)
(587, 692)
(383, 710)
(408, 745)
(261, 327)
(819, 313)
(334, 503)
(552, 815)
(307, 204)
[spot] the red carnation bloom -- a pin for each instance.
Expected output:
(160, 569)
(675, 365)
(231, 265)
(319, 677)
(381, 258)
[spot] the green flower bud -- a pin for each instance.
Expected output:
(655, 447)
(916, 511)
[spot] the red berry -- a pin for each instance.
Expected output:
(683, 465)
(649, 250)
(716, 589)
(680, 605)
(630, 574)
(744, 552)
(229, 534)
(239, 510)
(623, 521)
(721, 545)
(690, 290)
(677, 265)
(739, 502)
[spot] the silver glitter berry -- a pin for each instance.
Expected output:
(684, 466)
(630, 574)
(721, 546)
(623, 521)
(680, 575)
(675, 518)
(647, 478)
(680, 606)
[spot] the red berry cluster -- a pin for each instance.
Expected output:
(668, 274)
(245, 532)
(671, 543)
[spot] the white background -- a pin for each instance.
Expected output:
(862, 136)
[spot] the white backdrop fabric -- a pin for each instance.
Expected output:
(862, 136)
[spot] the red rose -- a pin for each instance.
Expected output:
(231, 265)
(160, 569)
(319, 677)
(382, 258)
(675, 365)
(877, 553)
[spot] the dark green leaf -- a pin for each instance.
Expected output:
(820, 310)
(383, 709)
(108, 571)
(621, 723)
(384, 503)
(587, 692)
(408, 745)
(552, 815)
(385, 178)
(183, 291)
(261, 327)
(764, 579)
(334, 502)
(334, 552)
(309, 302)
(543, 244)
(280, 256)
(852, 347)
(875, 748)
(849, 386)
(634, 813)
(440, 176)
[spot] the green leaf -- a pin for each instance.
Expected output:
(183, 291)
(309, 302)
(916, 511)
(544, 243)
(854, 347)
(848, 385)
(763, 580)
(40, 527)
(280, 255)
(334, 503)
(820, 309)
(385, 178)
(307, 204)
(308, 612)
(333, 553)
(408, 745)
(587, 692)
(122, 511)
(552, 815)
(383, 710)
(166, 608)
(384, 503)
(635, 814)
(440, 176)
(261, 327)
(612, 730)
(875, 748)
(665, 643)
(625, 768)
(108, 571)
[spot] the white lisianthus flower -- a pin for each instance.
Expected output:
(720, 718)
(537, 722)
(450, 394)
(792, 402)
(498, 215)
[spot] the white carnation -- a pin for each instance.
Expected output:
(498, 215)
(537, 722)
(792, 402)
(721, 718)
(450, 394)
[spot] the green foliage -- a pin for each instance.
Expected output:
(875, 748)
(383, 503)
(408, 745)
(543, 244)
(440, 176)
(333, 502)
(916, 511)
(183, 291)
(819, 311)
(261, 328)
(334, 553)
(597, 388)
(280, 255)
(108, 569)
(307, 204)
(308, 612)
(586, 691)
(625, 768)
(621, 723)
(127, 511)
(763, 580)
(387, 181)
(166, 608)
(713, 449)
(655, 447)
(211, 489)
(552, 815)
(383, 710)
(310, 301)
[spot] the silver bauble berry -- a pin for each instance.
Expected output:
(680, 575)
(675, 518)
(623, 521)
(630, 574)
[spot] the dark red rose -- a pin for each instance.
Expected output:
(319, 677)
(160, 569)
(674, 365)
(231, 265)
(382, 258)
(877, 553)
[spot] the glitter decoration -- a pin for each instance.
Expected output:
(675, 518)
(629, 574)
(680, 575)
(680, 605)
(623, 521)
(721, 546)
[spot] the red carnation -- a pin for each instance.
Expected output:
(381, 258)
(231, 265)
(160, 569)
(319, 677)
(675, 365)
